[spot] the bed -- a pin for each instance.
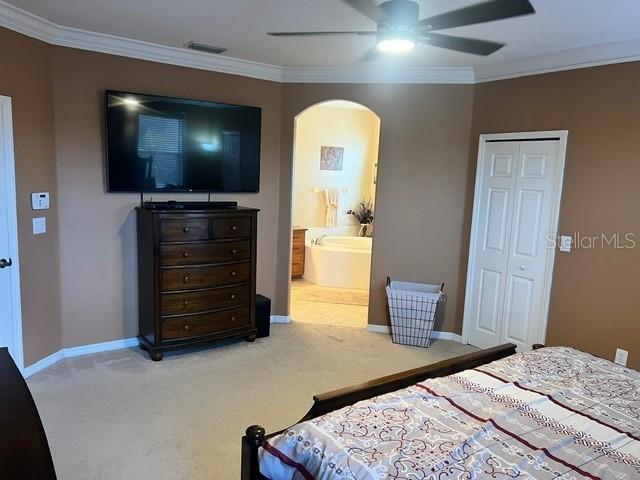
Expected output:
(552, 412)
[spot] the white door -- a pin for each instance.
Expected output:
(517, 198)
(10, 326)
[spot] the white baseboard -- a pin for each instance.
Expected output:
(100, 347)
(379, 329)
(77, 351)
(435, 335)
(447, 336)
(133, 342)
(280, 318)
(42, 364)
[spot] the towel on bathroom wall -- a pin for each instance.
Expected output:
(331, 198)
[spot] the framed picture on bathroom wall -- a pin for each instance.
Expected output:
(331, 158)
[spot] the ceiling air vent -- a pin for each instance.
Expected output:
(201, 47)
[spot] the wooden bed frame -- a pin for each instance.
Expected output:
(324, 403)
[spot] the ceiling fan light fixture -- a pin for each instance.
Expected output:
(398, 39)
(396, 45)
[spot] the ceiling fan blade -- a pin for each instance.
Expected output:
(461, 44)
(479, 13)
(319, 34)
(371, 55)
(368, 8)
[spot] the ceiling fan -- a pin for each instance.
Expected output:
(399, 26)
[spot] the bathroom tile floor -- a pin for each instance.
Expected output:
(328, 305)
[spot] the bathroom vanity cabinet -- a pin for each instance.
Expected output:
(297, 253)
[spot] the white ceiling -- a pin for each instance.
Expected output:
(241, 26)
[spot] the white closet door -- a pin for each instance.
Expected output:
(529, 249)
(513, 219)
(499, 169)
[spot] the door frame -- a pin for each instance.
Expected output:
(562, 137)
(6, 133)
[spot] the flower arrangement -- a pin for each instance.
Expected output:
(363, 212)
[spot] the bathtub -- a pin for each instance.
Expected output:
(341, 261)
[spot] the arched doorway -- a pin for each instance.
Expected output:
(334, 176)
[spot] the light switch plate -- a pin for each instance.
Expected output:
(39, 225)
(565, 243)
(40, 200)
(621, 357)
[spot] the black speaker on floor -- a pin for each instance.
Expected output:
(263, 315)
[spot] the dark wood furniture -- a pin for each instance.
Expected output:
(328, 402)
(24, 450)
(196, 276)
(297, 253)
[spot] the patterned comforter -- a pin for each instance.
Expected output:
(550, 413)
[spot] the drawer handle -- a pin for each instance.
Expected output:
(233, 228)
(233, 274)
(233, 318)
(185, 279)
(186, 327)
(185, 254)
(185, 303)
(185, 229)
(234, 251)
(232, 296)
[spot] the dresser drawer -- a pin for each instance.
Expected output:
(195, 253)
(231, 227)
(198, 325)
(203, 300)
(189, 278)
(184, 230)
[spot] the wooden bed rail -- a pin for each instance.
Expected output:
(330, 401)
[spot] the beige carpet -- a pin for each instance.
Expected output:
(119, 416)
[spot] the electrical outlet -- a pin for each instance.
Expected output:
(621, 357)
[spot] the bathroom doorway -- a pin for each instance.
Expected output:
(335, 162)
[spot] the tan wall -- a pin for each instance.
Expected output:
(421, 194)
(25, 76)
(595, 305)
(97, 230)
(355, 130)
(425, 190)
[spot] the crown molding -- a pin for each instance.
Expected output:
(24, 22)
(571, 59)
(21, 21)
(378, 75)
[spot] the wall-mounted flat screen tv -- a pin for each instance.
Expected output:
(162, 144)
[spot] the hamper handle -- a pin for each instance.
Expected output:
(389, 283)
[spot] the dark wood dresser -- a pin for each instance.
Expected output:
(24, 450)
(297, 253)
(196, 276)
